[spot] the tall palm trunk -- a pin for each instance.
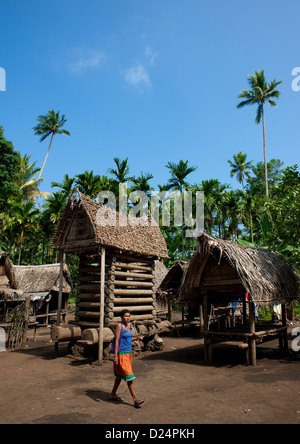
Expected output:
(265, 152)
(45, 161)
(182, 240)
(21, 247)
(182, 225)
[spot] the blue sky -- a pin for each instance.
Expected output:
(151, 80)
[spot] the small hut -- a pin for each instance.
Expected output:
(223, 272)
(41, 284)
(8, 287)
(38, 283)
(168, 291)
(118, 257)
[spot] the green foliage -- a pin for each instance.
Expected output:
(8, 170)
(249, 217)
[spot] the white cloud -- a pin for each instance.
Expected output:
(138, 76)
(84, 59)
(151, 55)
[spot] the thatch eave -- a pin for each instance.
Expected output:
(264, 275)
(42, 278)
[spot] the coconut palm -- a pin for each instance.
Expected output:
(177, 182)
(260, 93)
(49, 125)
(27, 185)
(240, 167)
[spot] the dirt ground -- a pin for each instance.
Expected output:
(37, 388)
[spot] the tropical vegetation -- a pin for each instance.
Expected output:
(264, 211)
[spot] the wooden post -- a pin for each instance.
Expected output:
(285, 338)
(61, 277)
(60, 293)
(244, 309)
(252, 331)
(102, 300)
(170, 308)
(201, 320)
(26, 321)
(207, 343)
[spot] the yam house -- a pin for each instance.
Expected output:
(223, 276)
(118, 257)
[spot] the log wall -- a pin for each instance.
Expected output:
(129, 283)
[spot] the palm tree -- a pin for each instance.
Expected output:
(248, 206)
(54, 206)
(49, 125)
(240, 167)
(232, 209)
(141, 183)
(177, 182)
(27, 185)
(66, 187)
(89, 184)
(212, 190)
(259, 94)
(122, 170)
(25, 218)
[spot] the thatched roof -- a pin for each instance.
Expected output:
(133, 235)
(160, 272)
(18, 281)
(8, 285)
(41, 278)
(264, 275)
(171, 282)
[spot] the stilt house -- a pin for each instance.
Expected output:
(222, 272)
(117, 262)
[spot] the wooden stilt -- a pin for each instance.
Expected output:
(207, 343)
(61, 277)
(26, 321)
(284, 323)
(102, 300)
(244, 309)
(252, 331)
(60, 293)
(201, 320)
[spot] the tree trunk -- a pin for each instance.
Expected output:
(265, 152)
(43, 167)
(21, 246)
(251, 228)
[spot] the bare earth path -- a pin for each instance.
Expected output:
(178, 387)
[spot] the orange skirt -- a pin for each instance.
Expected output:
(124, 369)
